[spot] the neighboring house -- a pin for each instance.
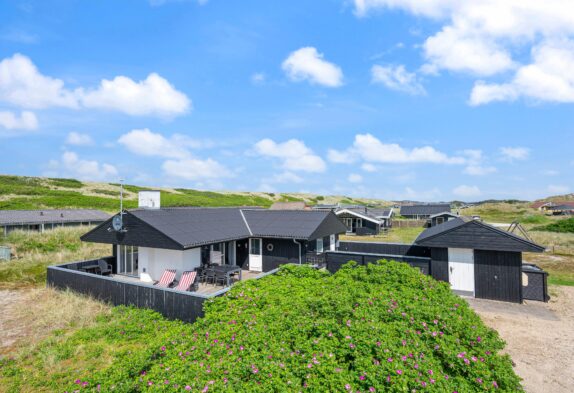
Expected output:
(364, 220)
(562, 208)
(186, 238)
(439, 218)
(477, 259)
(289, 206)
(542, 205)
(41, 220)
(424, 211)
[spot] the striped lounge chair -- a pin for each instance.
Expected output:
(167, 279)
(187, 280)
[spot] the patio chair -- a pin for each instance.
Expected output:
(167, 279)
(187, 280)
(105, 269)
(209, 276)
(220, 278)
(200, 274)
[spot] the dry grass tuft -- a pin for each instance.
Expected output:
(30, 316)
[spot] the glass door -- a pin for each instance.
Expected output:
(128, 260)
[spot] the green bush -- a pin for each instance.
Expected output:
(563, 226)
(383, 327)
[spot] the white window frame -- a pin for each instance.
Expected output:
(319, 247)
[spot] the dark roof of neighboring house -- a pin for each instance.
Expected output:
(289, 206)
(182, 228)
(464, 232)
(563, 206)
(31, 217)
(375, 214)
(422, 210)
(450, 214)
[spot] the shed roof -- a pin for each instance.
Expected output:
(181, 228)
(32, 217)
(371, 214)
(464, 232)
(426, 209)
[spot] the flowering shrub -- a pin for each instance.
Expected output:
(383, 327)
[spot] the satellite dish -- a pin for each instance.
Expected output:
(117, 223)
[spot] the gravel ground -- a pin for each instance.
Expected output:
(539, 337)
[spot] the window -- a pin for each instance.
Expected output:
(217, 254)
(255, 246)
(128, 260)
(439, 220)
(319, 245)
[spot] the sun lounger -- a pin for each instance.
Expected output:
(167, 279)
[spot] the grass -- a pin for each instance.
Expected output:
(505, 212)
(37, 313)
(298, 328)
(395, 235)
(35, 251)
(562, 226)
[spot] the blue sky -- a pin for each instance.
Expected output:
(391, 99)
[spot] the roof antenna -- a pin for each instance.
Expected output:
(118, 221)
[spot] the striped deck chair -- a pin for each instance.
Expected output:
(187, 280)
(167, 278)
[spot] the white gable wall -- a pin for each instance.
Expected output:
(154, 261)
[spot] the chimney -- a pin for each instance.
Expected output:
(149, 199)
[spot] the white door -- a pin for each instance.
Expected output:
(461, 269)
(255, 257)
(332, 242)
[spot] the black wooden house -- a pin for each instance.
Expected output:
(477, 259)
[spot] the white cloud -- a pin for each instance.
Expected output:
(479, 170)
(308, 64)
(181, 163)
(75, 138)
(397, 78)
(195, 169)
(549, 172)
(258, 78)
(514, 153)
(466, 191)
(368, 167)
(355, 178)
(71, 165)
(147, 143)
(370, 149)
(548, 78)
(340, 157)
(488, 37)
(285, 177)
(558, 189)
(11, 121)
(152, 96)
(294, 154)
(22, 84)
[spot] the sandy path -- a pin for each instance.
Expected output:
(539, 337)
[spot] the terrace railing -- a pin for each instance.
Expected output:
(185, 306)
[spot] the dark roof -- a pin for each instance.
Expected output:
(423, 210)
(375, 214)
(27, 217)
(181, 228)
(295, 224)
(464, 232)
(563, 206)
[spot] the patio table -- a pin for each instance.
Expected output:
(90, 268)
(228, 270)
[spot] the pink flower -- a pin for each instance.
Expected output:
(362, 377)
(348, 387)
(162, 349)
(495, 384)
(399, 372)
(349, 323)
(187, 387)
(371, 389)
(389, 360)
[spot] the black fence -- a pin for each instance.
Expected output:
(534, 283)
(335, 259)
(172, 304)
(385, 248)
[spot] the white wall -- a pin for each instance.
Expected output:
(154, 261)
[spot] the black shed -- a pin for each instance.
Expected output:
(478, 259)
